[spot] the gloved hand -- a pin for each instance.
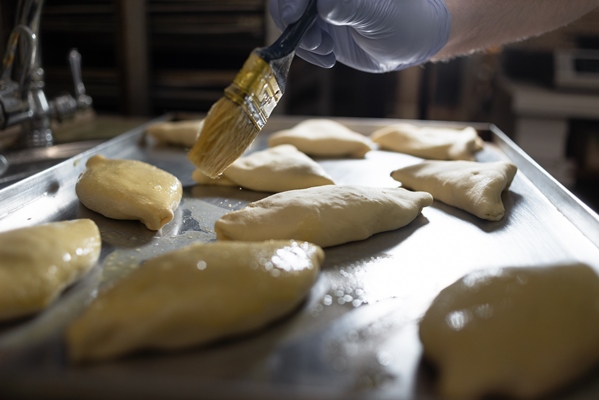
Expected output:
(369, 35)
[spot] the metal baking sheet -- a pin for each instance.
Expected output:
(356, 335)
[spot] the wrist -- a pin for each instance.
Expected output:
(436, 34)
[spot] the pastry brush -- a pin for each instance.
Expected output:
(234, 121)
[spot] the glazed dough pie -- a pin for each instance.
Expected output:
(517, 332)
(38, 262)
(195, 295)
(129, 189)
(471, 186)
(429, 142)
(323, 138)
(324, 215)
(276, 169)
(178, 133)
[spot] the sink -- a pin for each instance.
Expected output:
(18, 165)
(74, 137)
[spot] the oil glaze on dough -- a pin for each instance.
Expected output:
(520, 332)
(38, 262)
(129, 190)
(194, 295)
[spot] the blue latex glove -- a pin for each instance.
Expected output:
(369, 35)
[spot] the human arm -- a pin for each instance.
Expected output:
(480, 24)
(387, 35)
(368, 35)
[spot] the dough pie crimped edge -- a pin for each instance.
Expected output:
(429, 142)
(275, 169)
(469, 185)
(196, 295)
(37, 263)
(323, 138)
(129, 190)
(178, 133)
(517, 331)
(324, 215)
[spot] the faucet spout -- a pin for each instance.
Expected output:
(23, 100)
(26, 36)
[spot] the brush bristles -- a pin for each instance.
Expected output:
(226, 134)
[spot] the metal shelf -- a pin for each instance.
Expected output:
(144, 57)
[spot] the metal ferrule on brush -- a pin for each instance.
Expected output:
(256, 90)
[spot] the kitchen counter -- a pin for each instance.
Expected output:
(93, 126)
(71, 137)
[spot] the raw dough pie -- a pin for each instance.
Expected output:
(472, 186)
(195, 295)
(520, 332)
(178, 133)
(276, 169)
(429, 142)
(323, 138)
(324, 215)
(129, 189)
(38, 262)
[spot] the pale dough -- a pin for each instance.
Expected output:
(323, 138)
(520, 332)
(129, 189)
(38, 262)
(324, 215)
(429, 142)
(195, 295)
(203, 179)
(179, 133)
(471, 186)
(276, 169)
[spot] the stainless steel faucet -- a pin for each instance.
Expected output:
(22, 98)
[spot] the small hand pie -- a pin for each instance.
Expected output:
(276, 169)
(429, 142)
(179, 133)
(195, 295)
(518, 332)
(324, 215)
(323, 138)
(38, 262)
(472, 186)
(129, 189)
